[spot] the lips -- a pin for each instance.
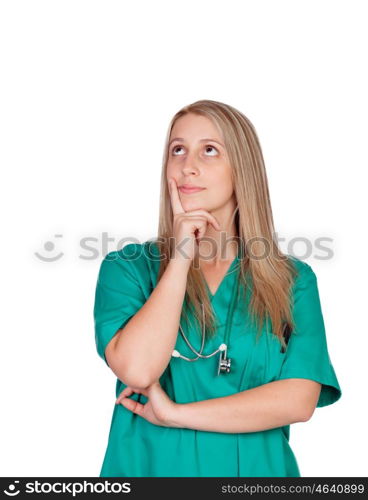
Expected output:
(190, 189)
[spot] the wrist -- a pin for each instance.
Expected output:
(179, 265)
(175, 417)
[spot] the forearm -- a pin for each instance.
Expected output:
(144, 346)
(264, 407)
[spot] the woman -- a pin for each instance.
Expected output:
(222, 408)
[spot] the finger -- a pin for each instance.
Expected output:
(128, 391)
(205, 218)
(198, 222)
(177, 207)
(211, 219)
(133, 406)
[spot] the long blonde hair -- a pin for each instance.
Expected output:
(270, 277)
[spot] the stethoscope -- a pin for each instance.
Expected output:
(224, 364)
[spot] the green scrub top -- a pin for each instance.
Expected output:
(138, 448)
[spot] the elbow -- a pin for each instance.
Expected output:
(306, 414)
(131, 379)
(308, 392)
(121, 368)
(135, 382)
(135, 379)
(310, 404)
(140, 379)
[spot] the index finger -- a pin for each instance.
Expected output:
(177, 207)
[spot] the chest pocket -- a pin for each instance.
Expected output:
(264, 359)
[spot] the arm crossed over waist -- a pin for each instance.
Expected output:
(278, 403)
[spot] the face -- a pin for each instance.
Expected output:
(197, 157)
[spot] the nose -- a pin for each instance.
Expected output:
(189, 166)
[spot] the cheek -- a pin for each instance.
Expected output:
(172, 171)
(222, 185)
(169, 171)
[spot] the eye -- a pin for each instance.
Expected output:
(208, 146)
(174, 148)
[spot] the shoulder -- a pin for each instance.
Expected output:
(133, 253)
(303, 272)
(133, 262)
(300, 265)
(129, 252)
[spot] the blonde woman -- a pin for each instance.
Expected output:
(215, 336)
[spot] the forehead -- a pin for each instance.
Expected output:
(192, 127)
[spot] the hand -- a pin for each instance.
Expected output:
(158, 410)
(190, 226)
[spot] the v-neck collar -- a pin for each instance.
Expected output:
(228, 272)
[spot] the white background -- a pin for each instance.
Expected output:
(87, 92)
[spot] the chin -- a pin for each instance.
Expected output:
(192, 205)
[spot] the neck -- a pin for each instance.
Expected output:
(219, 247)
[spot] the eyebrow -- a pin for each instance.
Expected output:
(202, 140)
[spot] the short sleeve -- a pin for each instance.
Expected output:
(307, 352)
(118, 297)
